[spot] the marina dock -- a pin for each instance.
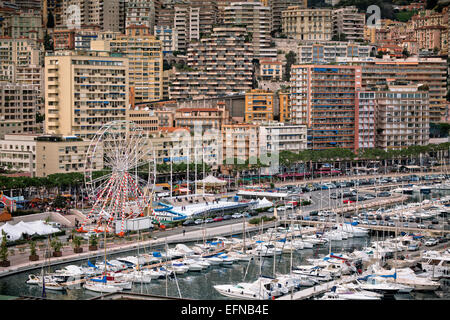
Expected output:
(316, 290)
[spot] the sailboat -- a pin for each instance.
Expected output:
(106, 283)
(44, 283)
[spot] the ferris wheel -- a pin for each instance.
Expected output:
(120, 174)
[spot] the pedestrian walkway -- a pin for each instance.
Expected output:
(316, 290)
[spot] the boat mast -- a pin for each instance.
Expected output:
(104, 244)
(243, 224)
(166, 267)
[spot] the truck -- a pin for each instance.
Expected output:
(142, 223)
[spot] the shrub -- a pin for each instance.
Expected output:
(93, 240)
(32, 248)
(3, 248)
(76, 241)
(56, 244)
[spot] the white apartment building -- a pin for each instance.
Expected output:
(18, 152)
(276, 137)
(320, 52)
(257, 20)
(367, 120)
(349, 22)
(84, 92)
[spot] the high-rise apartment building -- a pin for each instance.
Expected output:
(307, 24)
(256, 18)
(108, 15)
(285, 107)
(168, 37)
(320, 52)
(366, 120)
(348, 22)
(324, 98)
(20, 102)
(413, 70)
(207, 15)
(141, 12)
(259, 106)
(278, 6)
(240, 141)
(26, 23)
(277, 137)
(83, 92)
(144, 53)
(402, 117)
(431, 30)
(222, 65)
(20, 51)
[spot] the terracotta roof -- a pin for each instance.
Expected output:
(172, 129)
(137, 26)
(270, 62)
(198, 109)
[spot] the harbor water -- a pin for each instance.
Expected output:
(200, 285)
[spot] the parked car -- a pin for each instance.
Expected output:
(198, 221)
(391, 224)
(434, 221)
(368, 196)
(430, 226)
(227, 217)
(335, 195)
(431, 242)
(188, 222)
(237, 215)
(405, 225)
(217, 219)
(413, 247)
(382, 223)
(209, 220)
(421, 226)
(373, 223)
(383, 194)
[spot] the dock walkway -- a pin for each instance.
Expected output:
(316, 290)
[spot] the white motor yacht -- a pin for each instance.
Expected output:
(379, 284)
(350, 292)
(101, 287)
(261, 289)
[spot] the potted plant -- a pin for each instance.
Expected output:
(56, 245)
(33, 255)
(76, 241)
(4, 262)
(93, 243)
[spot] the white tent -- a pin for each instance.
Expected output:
(12, 234)
(25, 228)
(42, 228)
(264, 203)
(15, 232)
(211, 180)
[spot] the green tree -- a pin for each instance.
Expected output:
(290, 60)
(3, 248)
